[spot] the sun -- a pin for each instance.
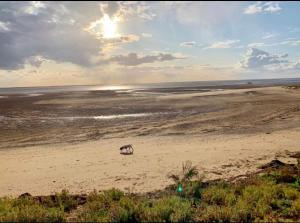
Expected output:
(109, 27)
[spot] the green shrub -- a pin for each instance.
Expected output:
(295, 209)
(111, 205)
(167, 209)
(113, 194)
(214, 213)
(65, 201)
(123, 211)
(28, 210)
(219, 194)
(193, 190)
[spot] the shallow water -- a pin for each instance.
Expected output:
(97, 117)
(195, 85)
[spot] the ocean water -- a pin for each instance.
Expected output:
(190, 86)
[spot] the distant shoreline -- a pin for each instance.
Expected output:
(205, 84)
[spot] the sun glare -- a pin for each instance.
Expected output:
(109, 27)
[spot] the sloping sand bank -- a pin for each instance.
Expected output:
(98, 165)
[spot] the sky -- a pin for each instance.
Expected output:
(112, 43)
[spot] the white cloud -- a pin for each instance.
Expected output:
(256, 59)
(253, 9)
(289, 66)
(135, 9)
(188, 44)
(240, 47)
(146, 35)
(199, 12)
(4, 27)
(255, 44)
(272, 7)
(222, 44)
(269, 35)
(288, 42)
(34, 7)
(291, 42)
(96, 29)
(294, 29)
(118, 12)
(260, 7)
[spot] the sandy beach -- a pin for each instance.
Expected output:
(225, 133)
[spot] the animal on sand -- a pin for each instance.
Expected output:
(126, 149)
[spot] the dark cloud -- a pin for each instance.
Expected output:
(133, 59)
(121, 39)
(50, 31)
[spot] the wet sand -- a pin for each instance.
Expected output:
(225, 133)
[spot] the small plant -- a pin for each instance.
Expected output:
(183, 179)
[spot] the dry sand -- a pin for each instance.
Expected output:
(88, 165)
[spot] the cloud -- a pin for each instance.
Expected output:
(146, 35)
(34, 8)
(95, 29)
(4, 27)
(114, 13)
(36, 61)
(288, 42)
(260, 7)
(255, 59)
(256, 45)
(222, 44)
(269, 35)
(188, 44)
(272, 7)
(56, 31)
(291, 42)
(32, 34)
(253, 9)
(133, 59)
(135, 9)
(294, 29)
(199, 13)
(121, 39)
(110, 8)
(283, 67)
(212, 67)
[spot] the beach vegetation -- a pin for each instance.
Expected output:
(27, 209)
(271, 195)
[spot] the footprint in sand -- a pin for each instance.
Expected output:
(227, 165)
(216, 172)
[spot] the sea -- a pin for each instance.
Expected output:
(186, 86)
